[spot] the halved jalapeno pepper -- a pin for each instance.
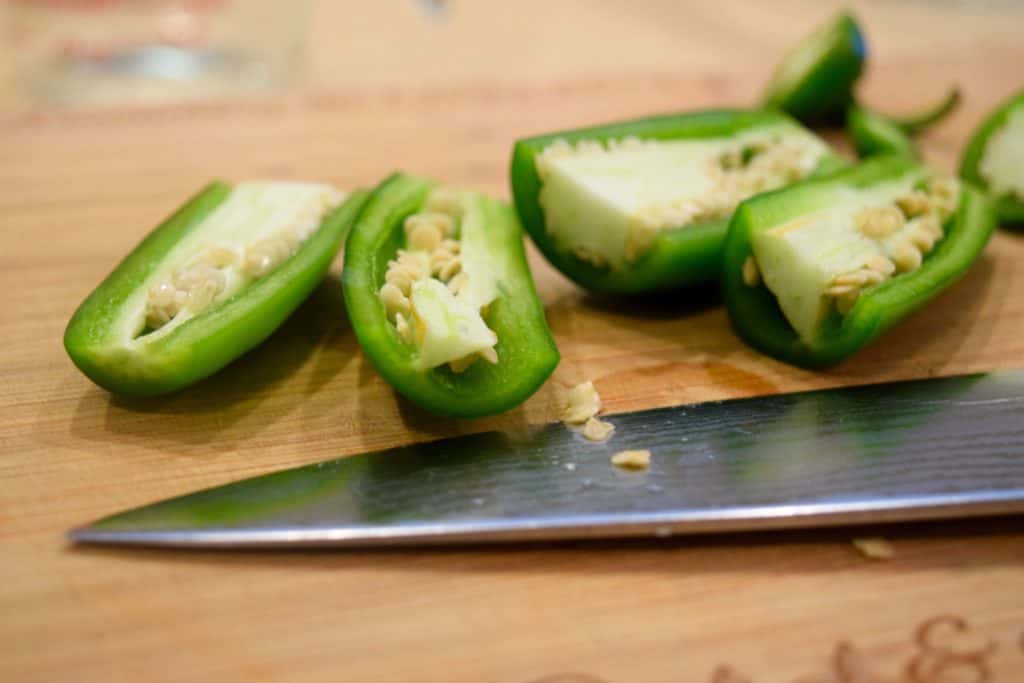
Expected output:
(440, 296)
(643, 205)
(210, 283)
(994, 159)
(818, 270)
(815, 84)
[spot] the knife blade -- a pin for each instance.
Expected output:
(924, 449)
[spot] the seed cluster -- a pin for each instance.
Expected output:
(433, 250)
(267, 254)
(845, 288)
(763, 164)
(906, 231)
(194, 287)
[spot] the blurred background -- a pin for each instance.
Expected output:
(87, 53)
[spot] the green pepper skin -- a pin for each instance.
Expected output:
(755, 313)
(1009, 208)
(526, 350)
(814, 83)
(212, 339)
(686, 256)
(873, 134)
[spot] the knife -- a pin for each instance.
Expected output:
(924, 449)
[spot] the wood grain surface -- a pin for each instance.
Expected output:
(79, 188)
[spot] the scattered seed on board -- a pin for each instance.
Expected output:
(596, 429)
(874, 548)
(632, 460)
(583, 404)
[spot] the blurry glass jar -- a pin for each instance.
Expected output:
(118, 51)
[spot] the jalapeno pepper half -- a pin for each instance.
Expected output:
(643, 205)
(440, 296)
(816, 271)
(210, 283)
(815, 83)
(994, 159)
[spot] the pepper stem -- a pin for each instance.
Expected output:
(916, 123)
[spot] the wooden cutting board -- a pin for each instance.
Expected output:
(77, 191)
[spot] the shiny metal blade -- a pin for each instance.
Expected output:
(925, 449)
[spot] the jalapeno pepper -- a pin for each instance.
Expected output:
(210, 283)
(815, 83)
(441, 299)
(817, 271)
(643, 205)
(994, 159)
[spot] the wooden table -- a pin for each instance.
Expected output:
(79, 188)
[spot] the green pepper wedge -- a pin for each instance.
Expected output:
(814, 83)
(756, 313)
(525, 350)
(992, 149)
(109, 339)
(873, 134)
(678, 256)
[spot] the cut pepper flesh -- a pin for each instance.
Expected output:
(606, 203)
(994, 159)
